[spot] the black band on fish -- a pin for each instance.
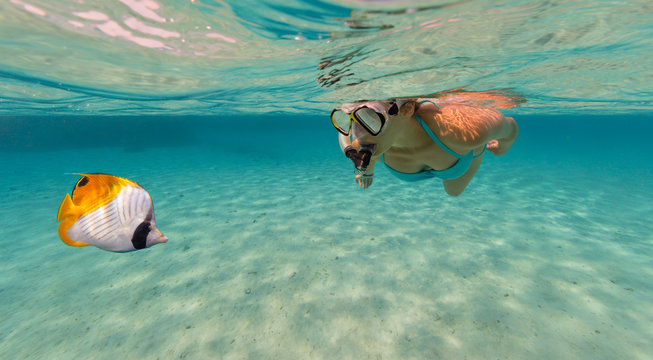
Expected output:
(140, 236)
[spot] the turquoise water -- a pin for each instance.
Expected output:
(220, 110)
(213, 57)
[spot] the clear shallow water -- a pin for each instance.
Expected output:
(203, 57)
(274, 252)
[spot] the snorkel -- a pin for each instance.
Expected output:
(356, 126)
(361, 158)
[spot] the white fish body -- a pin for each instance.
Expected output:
(116, 215)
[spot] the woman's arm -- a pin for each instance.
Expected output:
(471, 126)
(506, 136)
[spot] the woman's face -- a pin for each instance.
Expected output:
(384, 140)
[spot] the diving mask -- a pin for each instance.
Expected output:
(370, 119)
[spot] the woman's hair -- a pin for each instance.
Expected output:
(381, 106)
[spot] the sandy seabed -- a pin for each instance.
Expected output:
(276, 259)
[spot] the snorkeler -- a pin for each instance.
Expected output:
(418, 139)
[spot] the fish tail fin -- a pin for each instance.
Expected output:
(67, 212)
(65, 225)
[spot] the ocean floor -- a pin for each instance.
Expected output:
(275, 253)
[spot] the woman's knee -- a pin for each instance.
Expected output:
(454, 189)
(453, 192)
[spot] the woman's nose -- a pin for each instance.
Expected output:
(359, 133)
(359, 144)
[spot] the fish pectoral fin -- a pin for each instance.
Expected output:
(65, 225)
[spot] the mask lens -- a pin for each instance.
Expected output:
(370, 119)
(341, 121)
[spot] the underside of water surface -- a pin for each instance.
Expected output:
(205, 57)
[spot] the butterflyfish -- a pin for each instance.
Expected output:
(110, 212)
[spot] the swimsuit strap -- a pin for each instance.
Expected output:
(435, 138)
(429, 101)
(481, 153)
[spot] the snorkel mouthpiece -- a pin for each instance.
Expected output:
(361, 159)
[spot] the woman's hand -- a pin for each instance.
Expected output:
(501, 146)
(364, 180)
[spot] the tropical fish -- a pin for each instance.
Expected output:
(109, 212)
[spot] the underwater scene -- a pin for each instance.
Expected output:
(204, 179)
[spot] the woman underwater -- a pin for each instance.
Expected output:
(418, 139)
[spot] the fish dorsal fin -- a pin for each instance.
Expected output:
(95, 190)
(66, 208)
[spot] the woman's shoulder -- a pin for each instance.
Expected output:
(463, 124)
(466, 113)
(456, 113)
